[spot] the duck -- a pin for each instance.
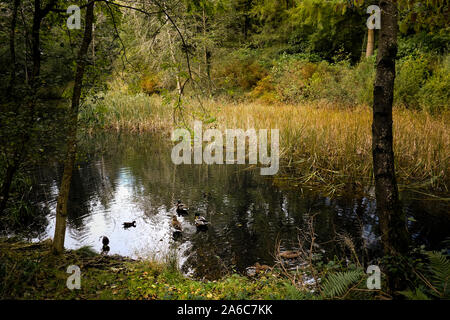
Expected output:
(105, 248)
(200, 221)
(262, 267)
(105, 240)
(257, 268)
(181, 210)
(176, 224)
(127, 225)
(289, 254)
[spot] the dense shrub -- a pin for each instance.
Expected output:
(422, 82)
(293, 80)
(241, 71)
(150, 84)
(434, 96)
(411, 76)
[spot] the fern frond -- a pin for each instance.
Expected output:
(415, 295)
(440, 268)
(338, 283)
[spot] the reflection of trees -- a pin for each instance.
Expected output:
(248, 213)
(430, 223)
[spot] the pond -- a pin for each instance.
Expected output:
(127, 177)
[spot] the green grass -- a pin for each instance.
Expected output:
(30, 271)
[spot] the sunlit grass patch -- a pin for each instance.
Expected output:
(326, 145)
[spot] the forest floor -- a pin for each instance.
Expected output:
(31, 271)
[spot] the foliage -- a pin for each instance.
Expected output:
(411, 75)
(432, 277)
(434, 96)
(337, 284)
(440, 270)
(118, 111)
(30, 271)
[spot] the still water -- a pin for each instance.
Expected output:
(124, 177)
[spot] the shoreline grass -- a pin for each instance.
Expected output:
(322, 145)
(31, 271)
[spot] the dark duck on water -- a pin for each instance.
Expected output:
(127, 225)
(105, 248)
(181, 210)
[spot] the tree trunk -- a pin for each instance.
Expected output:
(392, 220)
(6, 186)
(370, 42)
(207, 53)
(11, 168)
(61, 206)
(19, 152)
(174, 61)
(12, 45)
(35, 35)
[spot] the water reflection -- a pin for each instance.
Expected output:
(129, 177)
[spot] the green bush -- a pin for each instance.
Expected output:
(434, 96)
(296, 79)
(422, 80)
(411, 76)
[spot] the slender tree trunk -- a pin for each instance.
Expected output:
(370, 42)
(174, 61)
(6, 186)
(11, 168)
(12, 45)
(35, 35)
(14, 165)
(392, 221)
(207, 53)
(61, 206)
(20, 152)
(93, 45)
(25, 44)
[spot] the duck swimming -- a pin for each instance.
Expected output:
(200, 222)
(127, 225)
(181, 210)
(105, 248)
(176, 224)
(105, 240)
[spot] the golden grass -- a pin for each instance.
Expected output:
(135, 113)
(320, 144)
(324, 144)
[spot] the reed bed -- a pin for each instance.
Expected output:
(320, 144)
(134, 113)
(326, 145)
